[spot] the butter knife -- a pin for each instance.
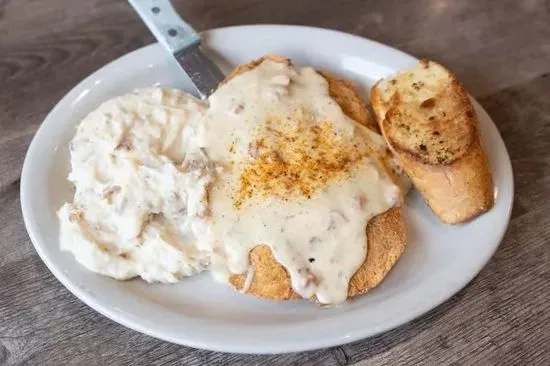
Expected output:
(182, 41)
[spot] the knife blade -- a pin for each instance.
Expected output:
(182, 41)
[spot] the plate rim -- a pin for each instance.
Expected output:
(304, 345)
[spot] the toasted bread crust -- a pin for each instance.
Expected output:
(434, 134)
(386, 233)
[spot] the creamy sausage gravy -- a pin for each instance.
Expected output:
(298, 175)
(167, 187)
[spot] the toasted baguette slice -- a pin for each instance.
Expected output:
(430, 125)
(386, 233)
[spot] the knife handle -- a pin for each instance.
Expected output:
(165, 24)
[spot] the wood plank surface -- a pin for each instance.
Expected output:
(500, 49)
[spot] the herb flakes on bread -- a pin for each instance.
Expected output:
(430, 125)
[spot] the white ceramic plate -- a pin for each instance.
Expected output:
(197, 312)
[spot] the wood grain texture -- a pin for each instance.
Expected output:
(502, 54)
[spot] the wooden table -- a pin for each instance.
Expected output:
(500, 49)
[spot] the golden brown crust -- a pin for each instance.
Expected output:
(386, 241)
(445, 124)
(386, 233)
(433, 133)
(252, 64)
(271, 280)
(346, 94)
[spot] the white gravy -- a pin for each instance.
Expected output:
(298, 176)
